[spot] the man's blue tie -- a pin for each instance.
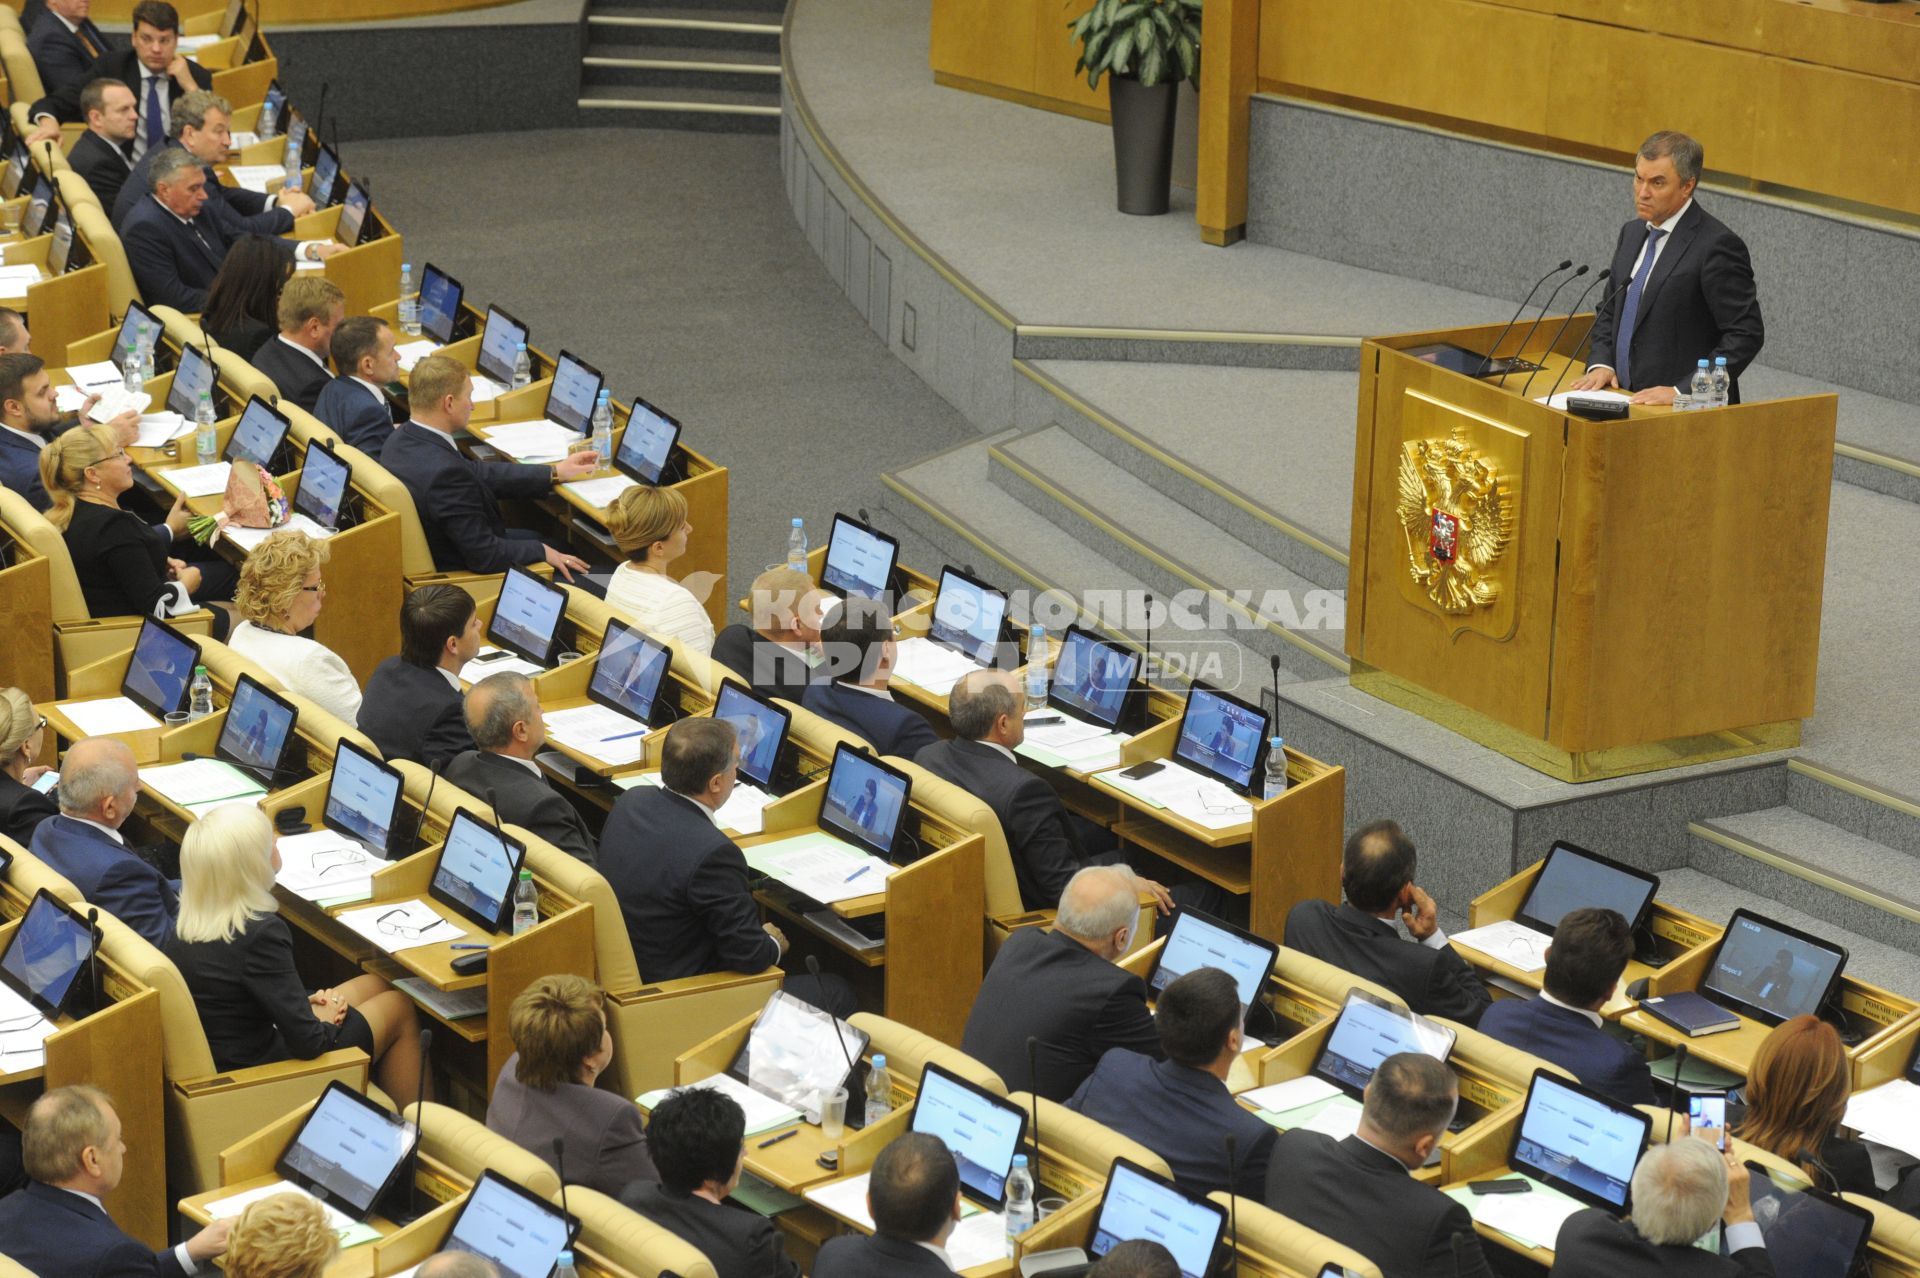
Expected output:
(1630, 309)
(156, 125)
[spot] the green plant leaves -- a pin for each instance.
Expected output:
(1149, 38)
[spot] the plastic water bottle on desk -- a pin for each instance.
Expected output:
(133, 377)
(563, 1266)
(526, 903)
(603, 428)
(146, 358)
(797, 546)
(1020, 1209)
(522, 367)
(879, 1090)
(1722, 383)
(1036, 669)
(199, 695)
(409, 302)
(291, 163)
(1276, 778)
(206, 443)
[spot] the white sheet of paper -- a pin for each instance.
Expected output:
(233, 1205)
(114, 402)
(485, 388)
(1534, 1217)
(68, 398)
(1512, 943)
(588, 728)
(1339, 1118)
(160, 429)
(1199, 798)
(249, 539)
(1888, 1115)
(405, 914)
(199, 481)
(16, 278)
(93, 377)
(845, 1198)
(1277, 1098)
(541, 441)
(599, 493)
(23, 1033)
(1559, 404)
(324, 865)
(825, 868)
(200, 781)
(1058, 736)
(924, 663)
(104, 716)
(744, 812)
(979, 1239)
(763, 1112)
(244, 137)
(255, 177)
(190, 45)
(487, 664)
(413, 352)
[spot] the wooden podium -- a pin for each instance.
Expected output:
(1591, 598)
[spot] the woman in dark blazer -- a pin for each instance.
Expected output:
(236, 955)
(243, 299)
(22, 808)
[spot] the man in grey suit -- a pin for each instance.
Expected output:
(503, 714)
(1680, 1190)
(914, 1198)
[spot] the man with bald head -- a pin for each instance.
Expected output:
(777, 654)
(456, 1264)
(503, 714)
(99, 785)
(1064, 989)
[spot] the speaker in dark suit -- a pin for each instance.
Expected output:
(298, 372)
(519, 794)
(363, 417)
(1045, 847)
(1682, 284)
(872, 715)
(103, 163)
(174, 252)
(123, 65)
(458, 499)
(1596, 1244)
(414, 712)
(64, 54)
(768, 667)
(108, 873)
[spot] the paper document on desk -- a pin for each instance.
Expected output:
(104, 716)
(157, 430)
(744, 812)
(541, 441)
(188, 45)
(763, 1112)
(325, 866)
(411, 353)
(924, 663)
(95, 377)
(1084, 747)
(15, 279)
(1308, 1089)
(1559, 404)
(1338, 1118)
(493, 661)
(23, 1033)
(350, 1232)
(598, 733)
(243, 138)
(256, 177)
(199, 781)
(249, 539)
(1198, 798)
(1533, 1218)
(1514, 944)
(198, 481)
(485, 389)
(979, 1239)
(1887, 1115)
(117, 400)
(599, 493)
(821, 866)
(401, 925)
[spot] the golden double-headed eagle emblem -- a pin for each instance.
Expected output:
(1457, 514)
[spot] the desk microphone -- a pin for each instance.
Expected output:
(1673, 1093)
(319, 116)
(560, 1170)
(93, 955)
(493, 808)
(813, 970)
(1033, 1091)
(1606, 299)
(420, 826)
(1146, 645)
(406, 1207)
(1233, 1194)
(1547, 307)
(1487, 362)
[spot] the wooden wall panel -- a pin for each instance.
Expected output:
(1840, 133)
(1054, 52)
(985, 40)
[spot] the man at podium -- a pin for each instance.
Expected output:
(1682, 286)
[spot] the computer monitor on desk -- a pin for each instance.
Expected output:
(630, 675)
(520, 1232)
(573, 392)
(192, 375)
(363, 801)
(19, 162)
(1224, 737)
(981, 1130)
(860, 561)
(526, 618)
(646, 445)
(477, 869)
(326, 488)
(500, 342)
(258, 730)
(43, 960)
(258, 434)
(160, 669)
(1770, 971)
(1368, 1030)
(440, 296)
(1578, 1141)
(969, 617)
(760, 728)
(273, 108)
(1573, 878)
(139, 334)
(1093, 681)
(347, 1151)
(866, 801)
(357, 224)
(326, 174)
(39, 201)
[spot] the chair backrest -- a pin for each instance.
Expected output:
(1091, 1144)
(1267, 1232)
(104, 243)
(468, 1148)
(631, 1241)
(909, 1051)
(1322, 978)
(29, 527)
(183, 1043)
(237, 374)
(23, 76)
(28, 874)
(416, 557)
(971, 813)
(74, 190)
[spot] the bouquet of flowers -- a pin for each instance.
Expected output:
(253, 500)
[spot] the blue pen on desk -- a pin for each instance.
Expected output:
(623, 736)
(856, 874)
(468, 945)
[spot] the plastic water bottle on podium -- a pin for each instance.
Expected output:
(409, 302)
(291, 163)
(1722, 383)
(522, 367)
(1036, 669)
(603, 427)
(879, 1090)
(199, 695)
(526, 903)
(797, 546)
(1275, 784)
(1700, 393)
(1020, 1208)
(206, 441)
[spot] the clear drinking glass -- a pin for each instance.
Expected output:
(833, 1113)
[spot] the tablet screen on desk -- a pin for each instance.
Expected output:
(1808, 1233)
(1578, 1141)
(347, 1151)
(968, 616)
(628, 672)
(326, 168)
(48, 951)
(355, 217)
(1223, 736)
(258, 729)
(982, 1131)
(363, 799)
(193, 374)
(1574, 878)
(571, 396)
(859, 560)
(258, 434)
(62, 245)
(500, 343)
(18, 161)
(1091, 679)
(440, 296)
(646, 445)
(1199, 940)
(517, 1230)
(526, 617)
(324, 479)
(139, 330)
(477, 869)
(1772, 971)
(160, 669)
(760, 728)
(1139, 1204)
(866, 801)
(34, 220)
(1370, 1029)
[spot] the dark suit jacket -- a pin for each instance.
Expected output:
(109, 876)
(252, 1002)
(459, 500)
(878, 1256)
(606, 1146)
(172, 264)
(116, 64)
(59, 55)
(1356, 1195)
(1184, 1115)
(523, 799)
(1433, 982)
(682, 885)
(238, 210)
(1595, 1244)
(738, 1243)
(742, 651)
(351, 409)
(20, 469)
(296, 376)
(243, 339)
(121, 561)
(1040, 836)
(102, 164)
(22, 809)
(1699, 301)
(1049, 986)
(1569, 1040)
(890, 727)
(412, 712)
(51, 1231)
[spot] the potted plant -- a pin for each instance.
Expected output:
(1145, 48)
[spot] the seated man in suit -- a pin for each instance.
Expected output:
(65, 44)
(28, 419)
(173, 252)
(458, 499)
(682, 882)
(503, 714)
(412, 708)
(56, 1225)
(988, 712)
(201, 124)
(1137, 1258)
(1589, 952)
(151, 66)
(99, 785)
(101, 155)
(355, 403)
(698, 1141)
(1180, 1107)
(1680, 1190)
(1064, 988)
(1376, 875)
(913, 1195)
(776, 655)
(295, 359)
(851, 686)
(1361, 1192)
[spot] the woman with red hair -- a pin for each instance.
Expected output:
(1796, 1094)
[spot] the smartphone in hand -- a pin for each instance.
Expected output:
(1708, 1114)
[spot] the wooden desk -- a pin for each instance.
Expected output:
(26, 598)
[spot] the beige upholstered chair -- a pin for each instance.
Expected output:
(630, 1240)
(909, 1051)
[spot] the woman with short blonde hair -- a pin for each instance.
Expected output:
(22, 730)
(235, 954)
(650, 526)
(281, 594)
(281, 1236)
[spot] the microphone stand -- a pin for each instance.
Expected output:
(1549, 306)
(1606, 299)
(1487, 360)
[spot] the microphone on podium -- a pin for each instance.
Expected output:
(1606, 299)
(1488, 360)
(1547, 307)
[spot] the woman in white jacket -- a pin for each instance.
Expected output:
(281, 593)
